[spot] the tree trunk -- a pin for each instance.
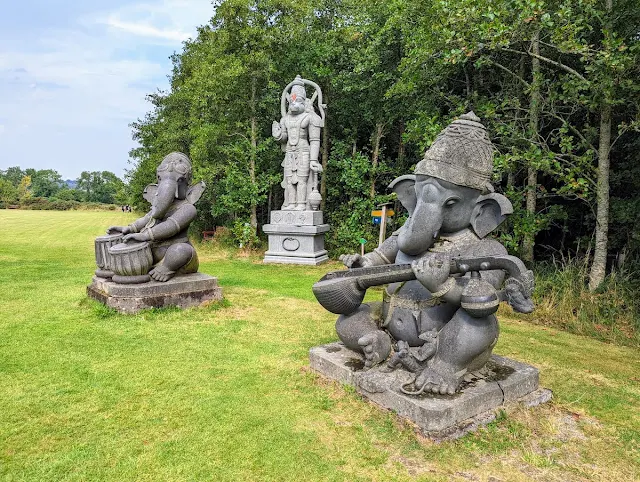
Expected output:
(513, 169)
(252, 157)
(401, 146)
(377, 137)
(467, 81)
(325, 159)
(599, 265)
(534, 121)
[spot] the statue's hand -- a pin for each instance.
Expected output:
(140, 237)
(119, 229)
(315, 166)
(432, 271)
(516, 297)
(276, 130)
(354, 261)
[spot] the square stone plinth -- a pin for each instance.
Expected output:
(296, 237)
(439, 417)
(182, 291)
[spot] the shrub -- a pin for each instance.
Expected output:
(224, 236)
(244, 235)
(53, 204)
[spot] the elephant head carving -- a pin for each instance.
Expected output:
(173, 176)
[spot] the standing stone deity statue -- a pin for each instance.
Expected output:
(443, 273)
(299, 133)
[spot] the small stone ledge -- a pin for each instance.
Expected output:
(439, 417)
(314, 259)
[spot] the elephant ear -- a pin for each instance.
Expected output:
(490, 211)
(195, 191)
(404, 187)
(150, 192)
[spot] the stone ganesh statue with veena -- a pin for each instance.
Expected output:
(445, 276)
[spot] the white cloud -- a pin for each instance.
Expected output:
(68, 95)
(146, 30)
(169, 20)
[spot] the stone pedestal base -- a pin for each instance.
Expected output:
(296, 237)
(440, 417)
(182, 291)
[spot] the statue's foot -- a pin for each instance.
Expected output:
(376, 347)
(284, 207)
(300, 207)
(161, 273)
(430, 346)
(435, 381)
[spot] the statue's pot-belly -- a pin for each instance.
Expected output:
(409, 310)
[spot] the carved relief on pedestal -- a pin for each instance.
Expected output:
(290, 244)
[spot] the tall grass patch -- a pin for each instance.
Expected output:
(563, 300)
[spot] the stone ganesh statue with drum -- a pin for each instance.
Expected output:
(155, 246)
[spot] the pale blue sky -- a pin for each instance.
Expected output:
(74, 74)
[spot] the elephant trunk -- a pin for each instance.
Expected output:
(421, 229)
(164, 198)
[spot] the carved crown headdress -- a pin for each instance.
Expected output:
(297, 86)
(298, 89)
(462, 154)
(176, 161)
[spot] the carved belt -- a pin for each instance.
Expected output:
(393, 301)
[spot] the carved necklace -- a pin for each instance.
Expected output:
(451, 242)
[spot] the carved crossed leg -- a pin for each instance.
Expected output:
(176, 256)
(464, 342)
(360, 332)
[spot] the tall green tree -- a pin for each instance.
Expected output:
(13, 174)
(100, 186)
(540, 74)
(45, 183)
(8, 192)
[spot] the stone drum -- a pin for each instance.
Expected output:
(131, 262)
(103, 258)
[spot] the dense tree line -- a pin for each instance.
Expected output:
(556, 83)
(23, 186)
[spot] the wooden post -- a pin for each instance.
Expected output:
(383, 225)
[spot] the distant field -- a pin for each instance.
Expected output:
(225, 393)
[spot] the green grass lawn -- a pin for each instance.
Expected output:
(224, 392)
